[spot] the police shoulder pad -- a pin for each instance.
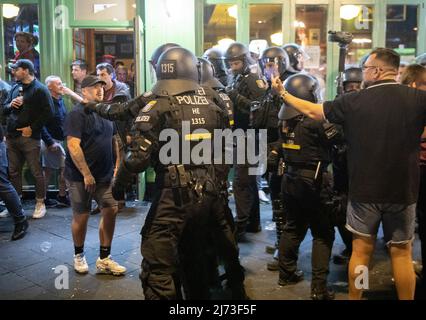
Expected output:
(149, 106)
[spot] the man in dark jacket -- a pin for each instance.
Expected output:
(28, 107)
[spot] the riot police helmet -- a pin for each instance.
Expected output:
(296, 55)
(159, 51)
(237, 51)
(302, 86)
(352, 74)
(278, 56)
(216, 57)
(177, 72)
(421, 59)
(208, 74)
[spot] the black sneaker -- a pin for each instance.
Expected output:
(20, 230)
(50, 203)
(292, 279)
(273, 265)
(63, 201)
(322, 294)
(95, 211)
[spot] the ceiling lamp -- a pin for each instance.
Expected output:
(233, 11)
(349, 11)
(10, 11)
(277, 39)
(224, 44)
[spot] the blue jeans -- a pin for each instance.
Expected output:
(7, 192)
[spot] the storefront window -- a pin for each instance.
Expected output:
(105, 10)
(402, 30)
(265, 27)
(311, 34)
(358, 19)
(220, 22)
(21, 35)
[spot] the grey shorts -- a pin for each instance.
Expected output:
(81, 200)
(52, 159)
(398, 221)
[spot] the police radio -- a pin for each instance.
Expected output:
(344, 39)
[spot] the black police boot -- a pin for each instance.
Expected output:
(342, 258)
(291, 279)
(20, 230)
(274, 265)
(322, 294)
(254, 228)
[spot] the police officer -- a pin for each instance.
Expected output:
(297, 58)
(215, 56)
(273, 62)
(352, 82)
(156, 55)
(306, 153)
(187, 195)
(244, 88)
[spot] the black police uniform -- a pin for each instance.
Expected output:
(187, 194)
(244, 88)
(305, 188)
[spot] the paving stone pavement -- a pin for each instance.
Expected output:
(27, 267)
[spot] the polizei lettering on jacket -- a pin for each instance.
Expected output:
(192, 100)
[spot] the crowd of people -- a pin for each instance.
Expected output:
(351, 163)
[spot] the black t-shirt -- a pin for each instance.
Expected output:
(96, 142)
(382, 125)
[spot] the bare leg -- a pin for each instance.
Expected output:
(403, 271)
(79, 228)
(107, 226)
(362, 250)
(62, 184)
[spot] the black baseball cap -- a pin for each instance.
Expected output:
(91, 81)
(24, 64)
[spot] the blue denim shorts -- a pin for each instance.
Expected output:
(81, 200)
(398, 221)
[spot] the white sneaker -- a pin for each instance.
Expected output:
(4, 214)
(263, 197)
(80, 263)
(40, 210)
(109, 266)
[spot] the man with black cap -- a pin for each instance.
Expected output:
(27, 108)
(89, 171)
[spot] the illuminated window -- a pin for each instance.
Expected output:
(358, 19)
(265, 26)
(220, 22)
(402, 30)
(311, 34)
(105, 10)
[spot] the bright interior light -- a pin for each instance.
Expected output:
(277, 38)
(233, 11)
(299, 24)
(10, 11)
(349, 11)
(258, 45)
(361, 40)
(224, 44)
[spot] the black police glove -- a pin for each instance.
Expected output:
(273, 160)
(118, 190)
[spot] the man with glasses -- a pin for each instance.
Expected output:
(382, 125)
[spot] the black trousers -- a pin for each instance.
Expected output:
(246, 198)
(421, 217)
(172, 239)
(303, 205)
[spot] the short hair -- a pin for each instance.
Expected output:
(29, 37)
(80, 63)
(105, 66)
(390, 57)
(51, 78)
(412, 74)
